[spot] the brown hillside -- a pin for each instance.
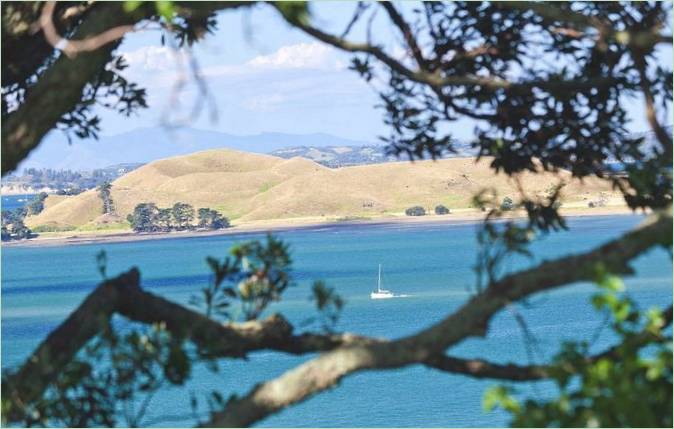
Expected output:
(245, 187)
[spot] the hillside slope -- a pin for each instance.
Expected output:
(247, 187)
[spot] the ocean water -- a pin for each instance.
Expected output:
(430, 263)
(11, 202)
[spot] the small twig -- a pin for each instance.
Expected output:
(360, 8)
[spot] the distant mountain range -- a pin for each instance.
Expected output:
(148, 144)
(343, 156)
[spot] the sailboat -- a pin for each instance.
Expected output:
(380, 293)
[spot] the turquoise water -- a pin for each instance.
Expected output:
(431, 263)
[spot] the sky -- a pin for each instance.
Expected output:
(265, 76)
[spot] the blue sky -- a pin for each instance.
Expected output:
(268, 77)
(264, 76)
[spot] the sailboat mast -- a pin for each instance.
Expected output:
(379, 280)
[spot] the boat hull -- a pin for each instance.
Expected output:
(381, 295)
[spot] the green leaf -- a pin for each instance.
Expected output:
(130, 6)
(295, 11)
(166, 9)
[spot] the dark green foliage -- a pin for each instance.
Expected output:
(441, 210)
(165, 219)
(507, 204)
(104, 194)
(102, 263)
(415, 211)
(203, 217)
(70, 191)
(13, 227)
(20, 231)
(144, 218)
(497, 242)
(567, 112)
(255, 274)
(632, 388)
(37, 204)
(211, 219)
(5, 234)
(147, 217)
(328, 303)
(183, 215)
(112, 372)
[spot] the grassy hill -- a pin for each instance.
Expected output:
(250, 187)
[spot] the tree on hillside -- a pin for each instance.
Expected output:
(545, 83)
(13, 227)
(165, 219)
(104, 194)
(183, 215)
(507, 204)
(441, 210)
(37, 204)
(203, 216)
(5, 235)
(211, 219)
(144, 218)
(415, 211)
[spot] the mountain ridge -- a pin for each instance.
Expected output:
(143, 145)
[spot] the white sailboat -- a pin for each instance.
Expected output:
(380, 293)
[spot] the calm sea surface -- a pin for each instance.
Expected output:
(11, 202)
(432, 264)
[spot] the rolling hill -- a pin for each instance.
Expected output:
(250, 187)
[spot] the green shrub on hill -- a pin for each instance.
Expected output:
(415, 211)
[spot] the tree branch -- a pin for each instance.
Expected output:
(59, 90)
(436, 79)
(663, 136)
(479, 368)
(471, 319)
(406, 31)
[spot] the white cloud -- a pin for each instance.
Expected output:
(153, 58)
(300, 56)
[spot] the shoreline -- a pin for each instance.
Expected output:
(457, 217)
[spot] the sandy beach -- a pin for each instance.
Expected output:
(457, 216)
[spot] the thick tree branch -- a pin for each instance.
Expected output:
(59, 90)
(479, 368)
(123, 295)
(436, 79)
(471, 319)
(62, 344)
(406, 31)
(663, 136)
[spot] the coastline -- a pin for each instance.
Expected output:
(458, 216)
